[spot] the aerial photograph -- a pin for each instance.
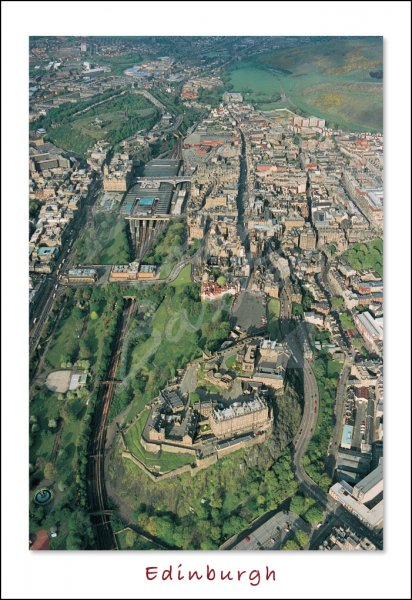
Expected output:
(205, 293)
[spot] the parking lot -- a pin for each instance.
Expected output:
(249, 310)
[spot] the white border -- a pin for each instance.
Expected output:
(121, 575)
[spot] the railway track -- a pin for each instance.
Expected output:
(97, 495)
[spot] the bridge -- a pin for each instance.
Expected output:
(174, 180)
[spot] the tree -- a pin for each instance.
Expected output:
(337, 302)
(74, 542)
(313, 516)
(84, 350)
(302, 538)
(130, 538)
(297, 504)
(49, 471)
(290, 545)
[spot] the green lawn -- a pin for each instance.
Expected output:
(165, 271)
(166, 461)
(274, 307)
(257, 80)
(65, 340)
(184, 277)
(106, 242)
(230, 361)
(118, 64)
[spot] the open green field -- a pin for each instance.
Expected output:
(273, 312)
(105, 243)
(113, 121)
(184, 277)
(330, 79)
(65, 339)
(118, 64)
(166, 461)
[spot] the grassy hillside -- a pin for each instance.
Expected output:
(340, 81)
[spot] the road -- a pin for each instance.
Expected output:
(309, 417)
(98, 506)
(337, 514)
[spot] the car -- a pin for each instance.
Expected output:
(247, 539)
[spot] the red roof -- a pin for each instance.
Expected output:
(41, 541)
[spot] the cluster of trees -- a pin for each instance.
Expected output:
(287, 413)
(70, 138)
(170, 101)
(307, 299)
(297, 310)
(298, 541)
(72, 413)
(366, 256)
(326, 373)
(168, 246)
(34, 209)
(191, 116)
(65, 112)
(307, 508)
(212, 97)
(73, 526)
(132, 125)
(67, 472)
(220, 502)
